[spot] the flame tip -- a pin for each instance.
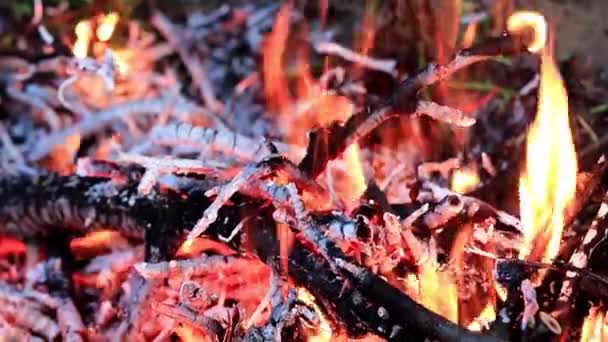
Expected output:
(521, 21)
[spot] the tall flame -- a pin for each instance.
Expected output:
(107, 23)
(594, 326)
(276, 88)
(83, 31)
(548, 182)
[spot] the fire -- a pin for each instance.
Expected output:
(276, 89)
(487, 315)
(83, 31)
(309, 105)
(464, 180)
(107, 23)
(530, 22)
(323, 331)
(548, 182)
(438, 292)
(594, 326)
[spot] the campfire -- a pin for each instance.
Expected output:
(266, 172)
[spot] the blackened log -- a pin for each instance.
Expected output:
(35, 208)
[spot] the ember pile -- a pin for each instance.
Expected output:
(245, 173)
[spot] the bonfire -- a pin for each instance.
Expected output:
(297, 172)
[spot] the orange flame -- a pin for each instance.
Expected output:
(594, 326)
(276, 89)
(548, 182)
(310, 106)
(107, 24)
(83, 31)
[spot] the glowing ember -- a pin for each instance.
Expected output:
(107, 23)
(189, 334)
(464, 180)
(530, 22)
(594, 326)
(548, 182)
(323, 331)
(195, 247)
(94, 242)
(83, 31)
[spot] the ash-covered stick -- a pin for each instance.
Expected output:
(192, 267)
(209, 139)
(69, 319)
(593, 238)
(186, 315)
(328, 144)
(274, 164)
(25, 314)
(9, 147)
(258, 170)
(10, 293)
(106, 117)
(384, 65)
(50, 116)
(30, 318)
(156, 167)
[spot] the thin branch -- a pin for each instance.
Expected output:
(384, 65)
(195, 68)
(92, 124)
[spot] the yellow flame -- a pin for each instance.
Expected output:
(520, 22)
(438, 291)
(548, 182)
(83, 32)
(324, 332)
(464, 180)
(487, 315)
(122, 58)
(107, 24)
(594, 326)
